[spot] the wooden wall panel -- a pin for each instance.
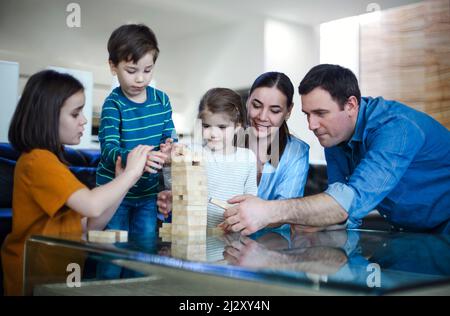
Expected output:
(405, 55)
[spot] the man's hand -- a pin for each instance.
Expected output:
(164, 202)
(249, 215)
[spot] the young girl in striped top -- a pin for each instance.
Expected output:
(231, 170)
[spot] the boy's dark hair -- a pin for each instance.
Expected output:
(35, 123)
(338, 81)
(131, 42)
(284, 85)
(223, 100)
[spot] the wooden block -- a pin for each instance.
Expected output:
(101, 236)
(166, 229)
(121, 235)
(201, 213)
(181, 157)
(166, 238)
(222, 204)
(187, 177)
(195, 199)
(192, 202)
(187, 189)
(188, 227)
(178, 207)
(215, 231)
(192, 239)
(188, 168)
(185, 181)
(189, 219)
(189, 209)
(184, 231)
(189, 193)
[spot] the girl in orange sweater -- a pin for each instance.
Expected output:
(47, 197)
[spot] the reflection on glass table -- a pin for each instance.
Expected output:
(344, 262)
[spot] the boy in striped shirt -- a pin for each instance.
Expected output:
(133, 114)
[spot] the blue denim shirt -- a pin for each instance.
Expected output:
(397, 161)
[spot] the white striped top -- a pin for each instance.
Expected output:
(228, 176)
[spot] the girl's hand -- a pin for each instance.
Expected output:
(155, 161)
(164, 202)
(136, 160)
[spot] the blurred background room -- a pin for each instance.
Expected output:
(399, 49)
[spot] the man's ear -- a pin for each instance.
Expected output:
(113, 68)
(352, 106)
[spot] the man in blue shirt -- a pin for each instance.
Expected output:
(380, 155)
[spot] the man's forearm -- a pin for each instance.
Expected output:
(316, 210)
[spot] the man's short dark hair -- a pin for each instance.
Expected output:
(131, 42)
(339, 82)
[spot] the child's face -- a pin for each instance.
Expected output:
(218, 131)
(267, 110)
(134, 78)
(72, 120)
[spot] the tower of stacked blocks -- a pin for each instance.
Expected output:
(189, 195)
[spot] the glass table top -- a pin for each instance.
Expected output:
(353, 261)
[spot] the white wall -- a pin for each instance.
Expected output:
(9, 85)
(86, 79)
(339, 43)
(230, 57)
(294, 49)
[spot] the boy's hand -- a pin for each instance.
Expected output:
(155, 161)
(164, 202)
(166, 148)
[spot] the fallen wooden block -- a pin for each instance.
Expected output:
(215, 231)
(101, 236)
(121, 235)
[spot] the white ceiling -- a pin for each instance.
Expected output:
(194, 15)
(175, 19)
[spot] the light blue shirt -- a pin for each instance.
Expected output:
(397, 161)
(288, 179)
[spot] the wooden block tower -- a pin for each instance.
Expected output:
(189, 205)
(189, 193)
